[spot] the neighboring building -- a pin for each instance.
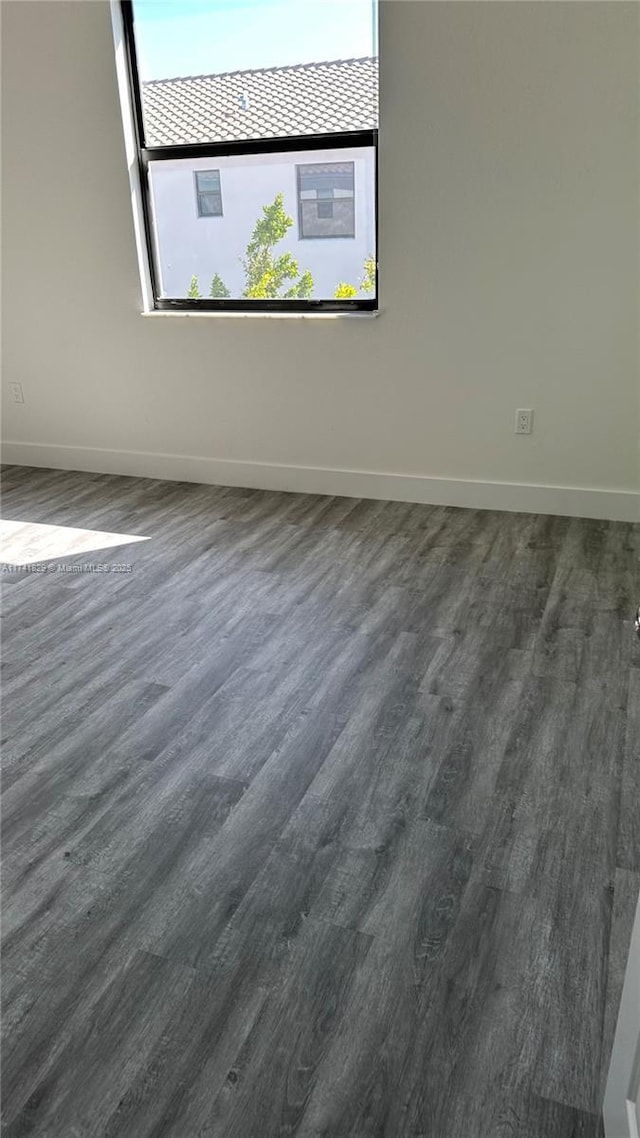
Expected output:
(206, 209)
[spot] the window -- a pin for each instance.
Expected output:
(283, 109)
(208, 193)
(325, 200)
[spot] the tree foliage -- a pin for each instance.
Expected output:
(266, 274)
(303, 289)
(345, 291)
(368, 281)
(219, 290)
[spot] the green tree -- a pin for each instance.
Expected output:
(219, 290)
(303, 289)
(265, 273)
(368, 281)
(345, 291)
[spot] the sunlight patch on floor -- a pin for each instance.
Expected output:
(23, 543)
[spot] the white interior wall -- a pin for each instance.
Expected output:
(509, 273)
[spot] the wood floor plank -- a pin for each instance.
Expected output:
(105, 903)
(320, 821)
(556, 804)
(628, 851)
(125, 1022)
(280, 1058)
(524, 1115)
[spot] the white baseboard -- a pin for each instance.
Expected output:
(573, 501)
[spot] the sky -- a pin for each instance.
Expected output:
(198, 37)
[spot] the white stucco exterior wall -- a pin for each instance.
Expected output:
(202, 246)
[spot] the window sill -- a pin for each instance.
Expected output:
(181, 314)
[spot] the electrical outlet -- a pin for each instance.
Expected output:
(524, 421)
(17, 394)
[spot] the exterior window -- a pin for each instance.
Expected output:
(326, 200)
(208, 193)
(286, 119)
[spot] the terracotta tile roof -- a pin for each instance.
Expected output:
(311, 98)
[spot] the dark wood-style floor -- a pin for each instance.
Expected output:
(322, 820)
